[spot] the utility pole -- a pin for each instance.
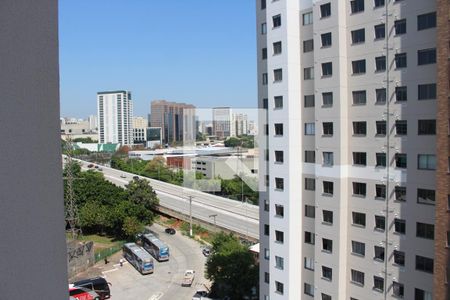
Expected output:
(190, 216)
(215, 226)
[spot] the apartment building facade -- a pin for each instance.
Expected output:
(352, 199)
(115, 115)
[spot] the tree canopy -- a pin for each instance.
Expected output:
(231, 268)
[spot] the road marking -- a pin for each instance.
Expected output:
(109, 271)
(156, 296)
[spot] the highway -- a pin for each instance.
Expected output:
(233, 215)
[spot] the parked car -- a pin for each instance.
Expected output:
(188, 278)
(170, 230)
(81, 293)
(206, 251)
(96, 284)
(201, 295)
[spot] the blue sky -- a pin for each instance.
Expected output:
(197, 51)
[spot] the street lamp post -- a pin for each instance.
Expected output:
(215, 225)
(190, 216)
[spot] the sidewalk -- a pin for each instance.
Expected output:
(99, 268)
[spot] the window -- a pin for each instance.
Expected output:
(328, 159)
(401, 127)
(426, 21)
(308, 46)
(265, 103)
(401, 93)
(380, 31)
(380, 127)
(264, 78)
(359, 189)
(325, 10)
(357, 6)
(358, 248)
(266, 229)
(266, 254)
(266, 277)
(327, 245)
(279, 236)
(308, 289)
(276, 21)
(380, 191)
(426, 162)
(358, 36)
(310, 129)
(378, 3)
(425, 196)
(357, 277)
(277, 48)
(328, 187)
(380, 96)
(427, 127)
(400, 193)
(310, 238)
(398, 289)
(327, 69)
(327, 128)
(279, 262)
(279, 183)
(263, 28)
(359, 128)
(400, 226)
(279, 288)
(326, 297)
(380, 159)
(327, 217)
(380, 223)
(378, 284)
(359, 219)
(424, 264)
(422, 295)
(266, 205)
(310, 184)
(263, 4)
(380, 64)
(426, 56)
(310, 156)
(278, 101)
(379, 253)
(400, 26)
(359, 97)
(327, 273)
(425, 231)
(310, 211)
(400, 160)
(360, 158)
(307, 18)
(278, 129)
(399, 257)
(309, 100)
(277, 75)
(279, 156)
(326, 39)
(400, 60)
(427, 91)
(308, 73)
(309, 263)
(359, 66)
(327, 99)
(264, 53)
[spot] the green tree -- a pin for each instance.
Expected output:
(232, 142)
(140, 192)
(231, 267)
(131, 226)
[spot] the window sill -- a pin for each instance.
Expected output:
(379, 229)
(357, 283)
(278, 242)
(278, 162)
(327, 135)
(327, 195)
(378, 260)
(357, 254)
(380, 71)
(426, 203)
(326, 76)
(380, 198)
(327, 105)
(277, 108)
(327, 166)
(379, 39)
(327, 223)
(380, 103)
(278, 135)
(327, 279)
(278, 190)
(359, 165)
(358, 196)
(359, 135)
(327, 251)
(377, 290)
(358, 74)
(358, 225)
(358, 43)
(359, 104)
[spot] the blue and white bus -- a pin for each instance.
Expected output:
(155, 247)
(138, 257)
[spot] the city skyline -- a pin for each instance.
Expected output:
(175, 70)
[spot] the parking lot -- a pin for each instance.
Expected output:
(165, 282)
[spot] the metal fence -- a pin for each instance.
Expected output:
(104, 253)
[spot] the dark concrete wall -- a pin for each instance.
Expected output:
(33, 260)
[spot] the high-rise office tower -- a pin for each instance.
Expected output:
(115, 114)
(356, 203)
(177, 120)
(223, 125)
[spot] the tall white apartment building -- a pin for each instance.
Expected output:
(115, 115)
(350, 89)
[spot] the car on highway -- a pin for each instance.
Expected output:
(206, 251)
(135, 177)
(123, 176)
(90, 165)
(96, 166)
(170, 230)
(100, 169)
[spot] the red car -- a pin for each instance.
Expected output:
(79, 293)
